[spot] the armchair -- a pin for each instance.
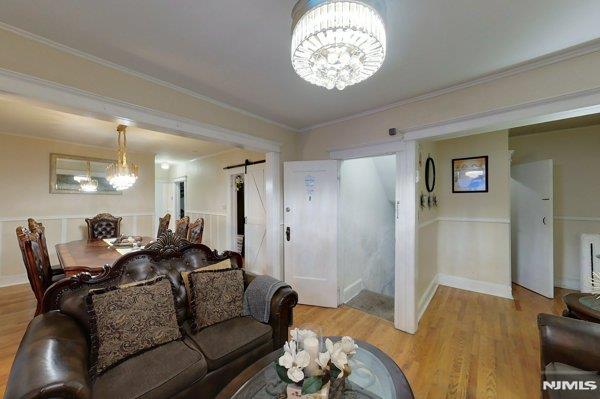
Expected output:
(569, 351)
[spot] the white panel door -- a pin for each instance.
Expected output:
(311, 191)
(532, 237)
(255, 260)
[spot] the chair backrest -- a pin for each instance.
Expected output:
(103, 225)
(163, 224)
(181, 227)
(195, 231)
(38, 228)
(37, 264)
(169, 255)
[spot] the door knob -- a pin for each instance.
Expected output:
(544, 220)
(287, 233)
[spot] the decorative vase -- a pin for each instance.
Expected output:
(294, 391)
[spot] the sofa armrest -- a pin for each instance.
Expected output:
(281, 312)
(569, 341)
(52, 360)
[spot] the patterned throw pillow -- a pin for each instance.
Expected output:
(128, 319)
(216, 295)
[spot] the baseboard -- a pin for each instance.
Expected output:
(352, 290)
(427, 297)
(566, 282)
(6, 281)
(483, 287)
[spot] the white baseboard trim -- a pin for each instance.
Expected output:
(483, 287)
(352, 290)
(6, 281)
(427, 297)
(566, 282)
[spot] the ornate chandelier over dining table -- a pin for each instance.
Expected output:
(337, 43)
(122, 174)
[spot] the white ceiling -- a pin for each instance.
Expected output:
(237, 51)
(22, 118)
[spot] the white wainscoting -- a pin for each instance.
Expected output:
(215, 229)
(59, 229)
(427, 297)
(352, 290)
(567, 233)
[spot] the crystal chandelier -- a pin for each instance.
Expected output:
(87, 184)
(122, 174)
(337, 43)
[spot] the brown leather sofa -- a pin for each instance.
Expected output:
(52, 360)
(570, 351)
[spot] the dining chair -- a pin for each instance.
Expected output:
(195, 231)
(37, 263)
(103, 225)
(163, 224)
(181, 227)
(39, 229)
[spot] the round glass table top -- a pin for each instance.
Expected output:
(374, 376)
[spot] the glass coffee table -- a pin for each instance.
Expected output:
(374, 375)
(582, 306)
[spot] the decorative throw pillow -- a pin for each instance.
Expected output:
(222, 265)
(128, 319)
(215, 296)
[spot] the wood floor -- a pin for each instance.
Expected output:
(468, 345)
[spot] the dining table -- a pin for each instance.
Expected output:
(90, 255)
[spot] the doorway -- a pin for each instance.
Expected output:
(238, 212)
(367, 234)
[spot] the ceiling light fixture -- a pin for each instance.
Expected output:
(337, 43)
(122, 174)
(165, 166)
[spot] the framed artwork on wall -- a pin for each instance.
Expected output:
(470, 175)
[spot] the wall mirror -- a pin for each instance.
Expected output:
(430, 174)
(72, 174)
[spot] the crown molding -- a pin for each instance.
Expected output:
(558, 56)
(32, 87)
(140, 75)
(562, 55)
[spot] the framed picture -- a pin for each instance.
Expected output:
(470, 175)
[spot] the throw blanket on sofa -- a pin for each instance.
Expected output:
(257, 298)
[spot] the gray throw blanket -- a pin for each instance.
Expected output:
(257, 298)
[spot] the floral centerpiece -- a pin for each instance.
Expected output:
(310, 371)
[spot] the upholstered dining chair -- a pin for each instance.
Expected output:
(103, 225)
(163, 224)
(195, 231)
(37, 263)
(181, 227)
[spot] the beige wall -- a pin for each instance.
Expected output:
(30, 57)
(474, 228)
(565, 77)
(208, 189)
(465, 241)
(576, 157)
(427, 260)
(25, 174)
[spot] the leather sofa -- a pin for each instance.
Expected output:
(52, 359)
(569, 351)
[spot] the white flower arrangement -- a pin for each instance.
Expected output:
(310, 368)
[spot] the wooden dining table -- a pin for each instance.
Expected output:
(88, 255)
